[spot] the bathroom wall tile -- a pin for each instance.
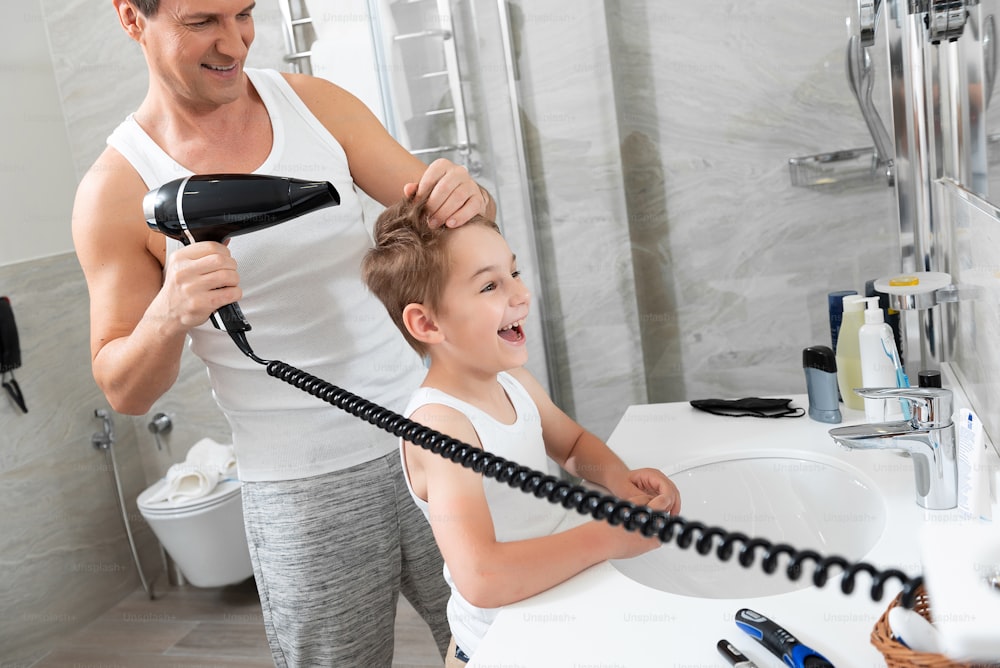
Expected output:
(62, 535)
(579, 208)
(61, 532)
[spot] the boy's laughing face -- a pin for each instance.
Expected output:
(484, 304)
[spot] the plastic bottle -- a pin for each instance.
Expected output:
(835, 306)
(821, 384)
(879, 362)
(973, 469)
(848, 354)
(929, 378)
(892, 316)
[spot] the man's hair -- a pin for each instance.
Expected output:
(409, 262)
(147, 8)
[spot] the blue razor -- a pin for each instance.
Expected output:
(779, 642)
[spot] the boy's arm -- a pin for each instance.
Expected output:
(584, 455)
(489, 573)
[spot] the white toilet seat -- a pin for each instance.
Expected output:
(222, 493)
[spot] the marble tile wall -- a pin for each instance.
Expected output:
(62, 540)
(574, 164)
(56, 496)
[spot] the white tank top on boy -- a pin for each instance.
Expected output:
(516, 515)
(304, 297)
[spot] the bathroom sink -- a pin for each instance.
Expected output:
(809, 504)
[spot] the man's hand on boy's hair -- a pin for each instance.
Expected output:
(453, 197)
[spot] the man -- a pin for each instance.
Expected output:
(333, 533)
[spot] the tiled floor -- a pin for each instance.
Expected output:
(187, 626)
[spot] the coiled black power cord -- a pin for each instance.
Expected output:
(610, 509)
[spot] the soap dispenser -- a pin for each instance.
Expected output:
(848, 355)
(880, 365)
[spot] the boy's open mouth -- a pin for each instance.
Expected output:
(512, 332)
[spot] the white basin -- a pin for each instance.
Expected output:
(824, 506)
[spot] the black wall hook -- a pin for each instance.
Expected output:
(10, 353)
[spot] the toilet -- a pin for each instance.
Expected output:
(204, 536)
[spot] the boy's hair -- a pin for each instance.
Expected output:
(409, 262)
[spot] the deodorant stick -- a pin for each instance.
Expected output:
(821, 384)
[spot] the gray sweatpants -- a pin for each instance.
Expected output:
(331, 554)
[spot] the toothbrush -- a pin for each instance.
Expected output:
(902, 380)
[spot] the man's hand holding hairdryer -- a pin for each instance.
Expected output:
(198, 280)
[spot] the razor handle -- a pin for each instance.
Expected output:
(779, 641)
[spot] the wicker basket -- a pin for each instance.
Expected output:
(898, 655)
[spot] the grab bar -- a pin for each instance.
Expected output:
(291, 25)
(443, 34)
(441, 149)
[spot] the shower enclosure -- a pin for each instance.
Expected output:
(439, 76)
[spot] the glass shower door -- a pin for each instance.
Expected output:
(439, 74)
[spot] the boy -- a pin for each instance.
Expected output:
(457, 297)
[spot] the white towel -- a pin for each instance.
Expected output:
(210, 456)
(206, 464)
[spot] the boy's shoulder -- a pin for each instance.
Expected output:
(431, 403)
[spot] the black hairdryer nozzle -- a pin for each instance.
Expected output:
(214, 207)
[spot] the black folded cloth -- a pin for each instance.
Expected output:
(749, 407)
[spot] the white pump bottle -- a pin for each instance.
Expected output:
(848, 355)
(880, 366)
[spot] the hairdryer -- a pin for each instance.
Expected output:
(214, 207)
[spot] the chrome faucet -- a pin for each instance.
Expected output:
(928, 437)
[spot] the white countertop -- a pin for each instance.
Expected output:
(602, 618)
